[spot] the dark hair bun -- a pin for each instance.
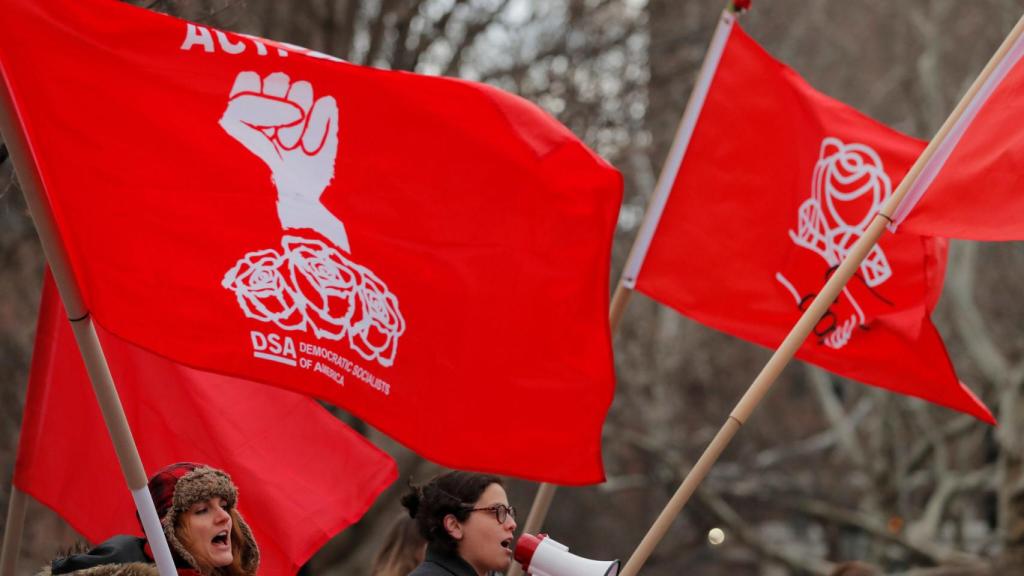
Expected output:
(411, 501)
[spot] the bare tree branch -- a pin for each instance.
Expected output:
(950, 484)
(931, 551)
(434, 31)
(815, 444)
(378, 30)
(400, 52)
(841, 423)
(344, 35)
(968, 318)
(954, 427)
(727, 516)
(474, 30)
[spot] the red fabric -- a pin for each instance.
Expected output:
(164, 481)
(430, 254)
(978, 192)
(727, 233)
(302, 475)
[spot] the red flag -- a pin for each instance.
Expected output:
(776, 184)
(303, 476)
(428, 253)
(972, 186)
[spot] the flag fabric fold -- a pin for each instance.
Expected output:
(971, 187)
(430, 254)
(303, 475)
(777, 183)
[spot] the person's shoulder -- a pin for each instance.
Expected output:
(123, 544)
(130, 569)
(429, 568)
(119, 555)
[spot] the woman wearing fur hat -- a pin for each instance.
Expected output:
(206, 533)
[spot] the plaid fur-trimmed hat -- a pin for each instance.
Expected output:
(177, 487)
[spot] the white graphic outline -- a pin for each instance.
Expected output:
(309, 285)
(828, 225)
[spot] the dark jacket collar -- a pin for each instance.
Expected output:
(122, 554)
(451, 562)
(117, 550)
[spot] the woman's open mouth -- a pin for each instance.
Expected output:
(222, 539)
(507, 545)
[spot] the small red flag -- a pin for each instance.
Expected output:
(428, 253)
(973, 185)
(776, 184)
(303, 476)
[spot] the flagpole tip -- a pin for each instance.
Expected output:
(739, 6)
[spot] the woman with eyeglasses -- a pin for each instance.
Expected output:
(467, 522)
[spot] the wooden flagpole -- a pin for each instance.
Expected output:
(759, 388)
(85, 335)
(12, 531)
(624, 289)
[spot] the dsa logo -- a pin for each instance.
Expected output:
(307, 284)
(274, 347)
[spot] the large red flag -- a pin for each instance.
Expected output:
(973, 185)
(430, 254)
(776, 184)
(303, 475)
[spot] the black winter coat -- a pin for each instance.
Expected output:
(440, 563)
(118, 556)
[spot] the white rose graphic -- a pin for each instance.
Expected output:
(262, 290)
(848, 188)
(375, 337)
(312, 285)
(325, 282)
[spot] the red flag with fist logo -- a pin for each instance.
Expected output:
(776, 184)
(428, 253)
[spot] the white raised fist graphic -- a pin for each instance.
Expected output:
(297, 137)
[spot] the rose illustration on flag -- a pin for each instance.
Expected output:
(375, 336)
(326, 282)
(261, 287)
(848, 188)
(311, 285)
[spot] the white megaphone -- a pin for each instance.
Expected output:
(542, 556)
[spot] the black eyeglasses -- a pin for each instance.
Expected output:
(501, 512)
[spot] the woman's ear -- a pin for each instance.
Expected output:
(453, 526)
